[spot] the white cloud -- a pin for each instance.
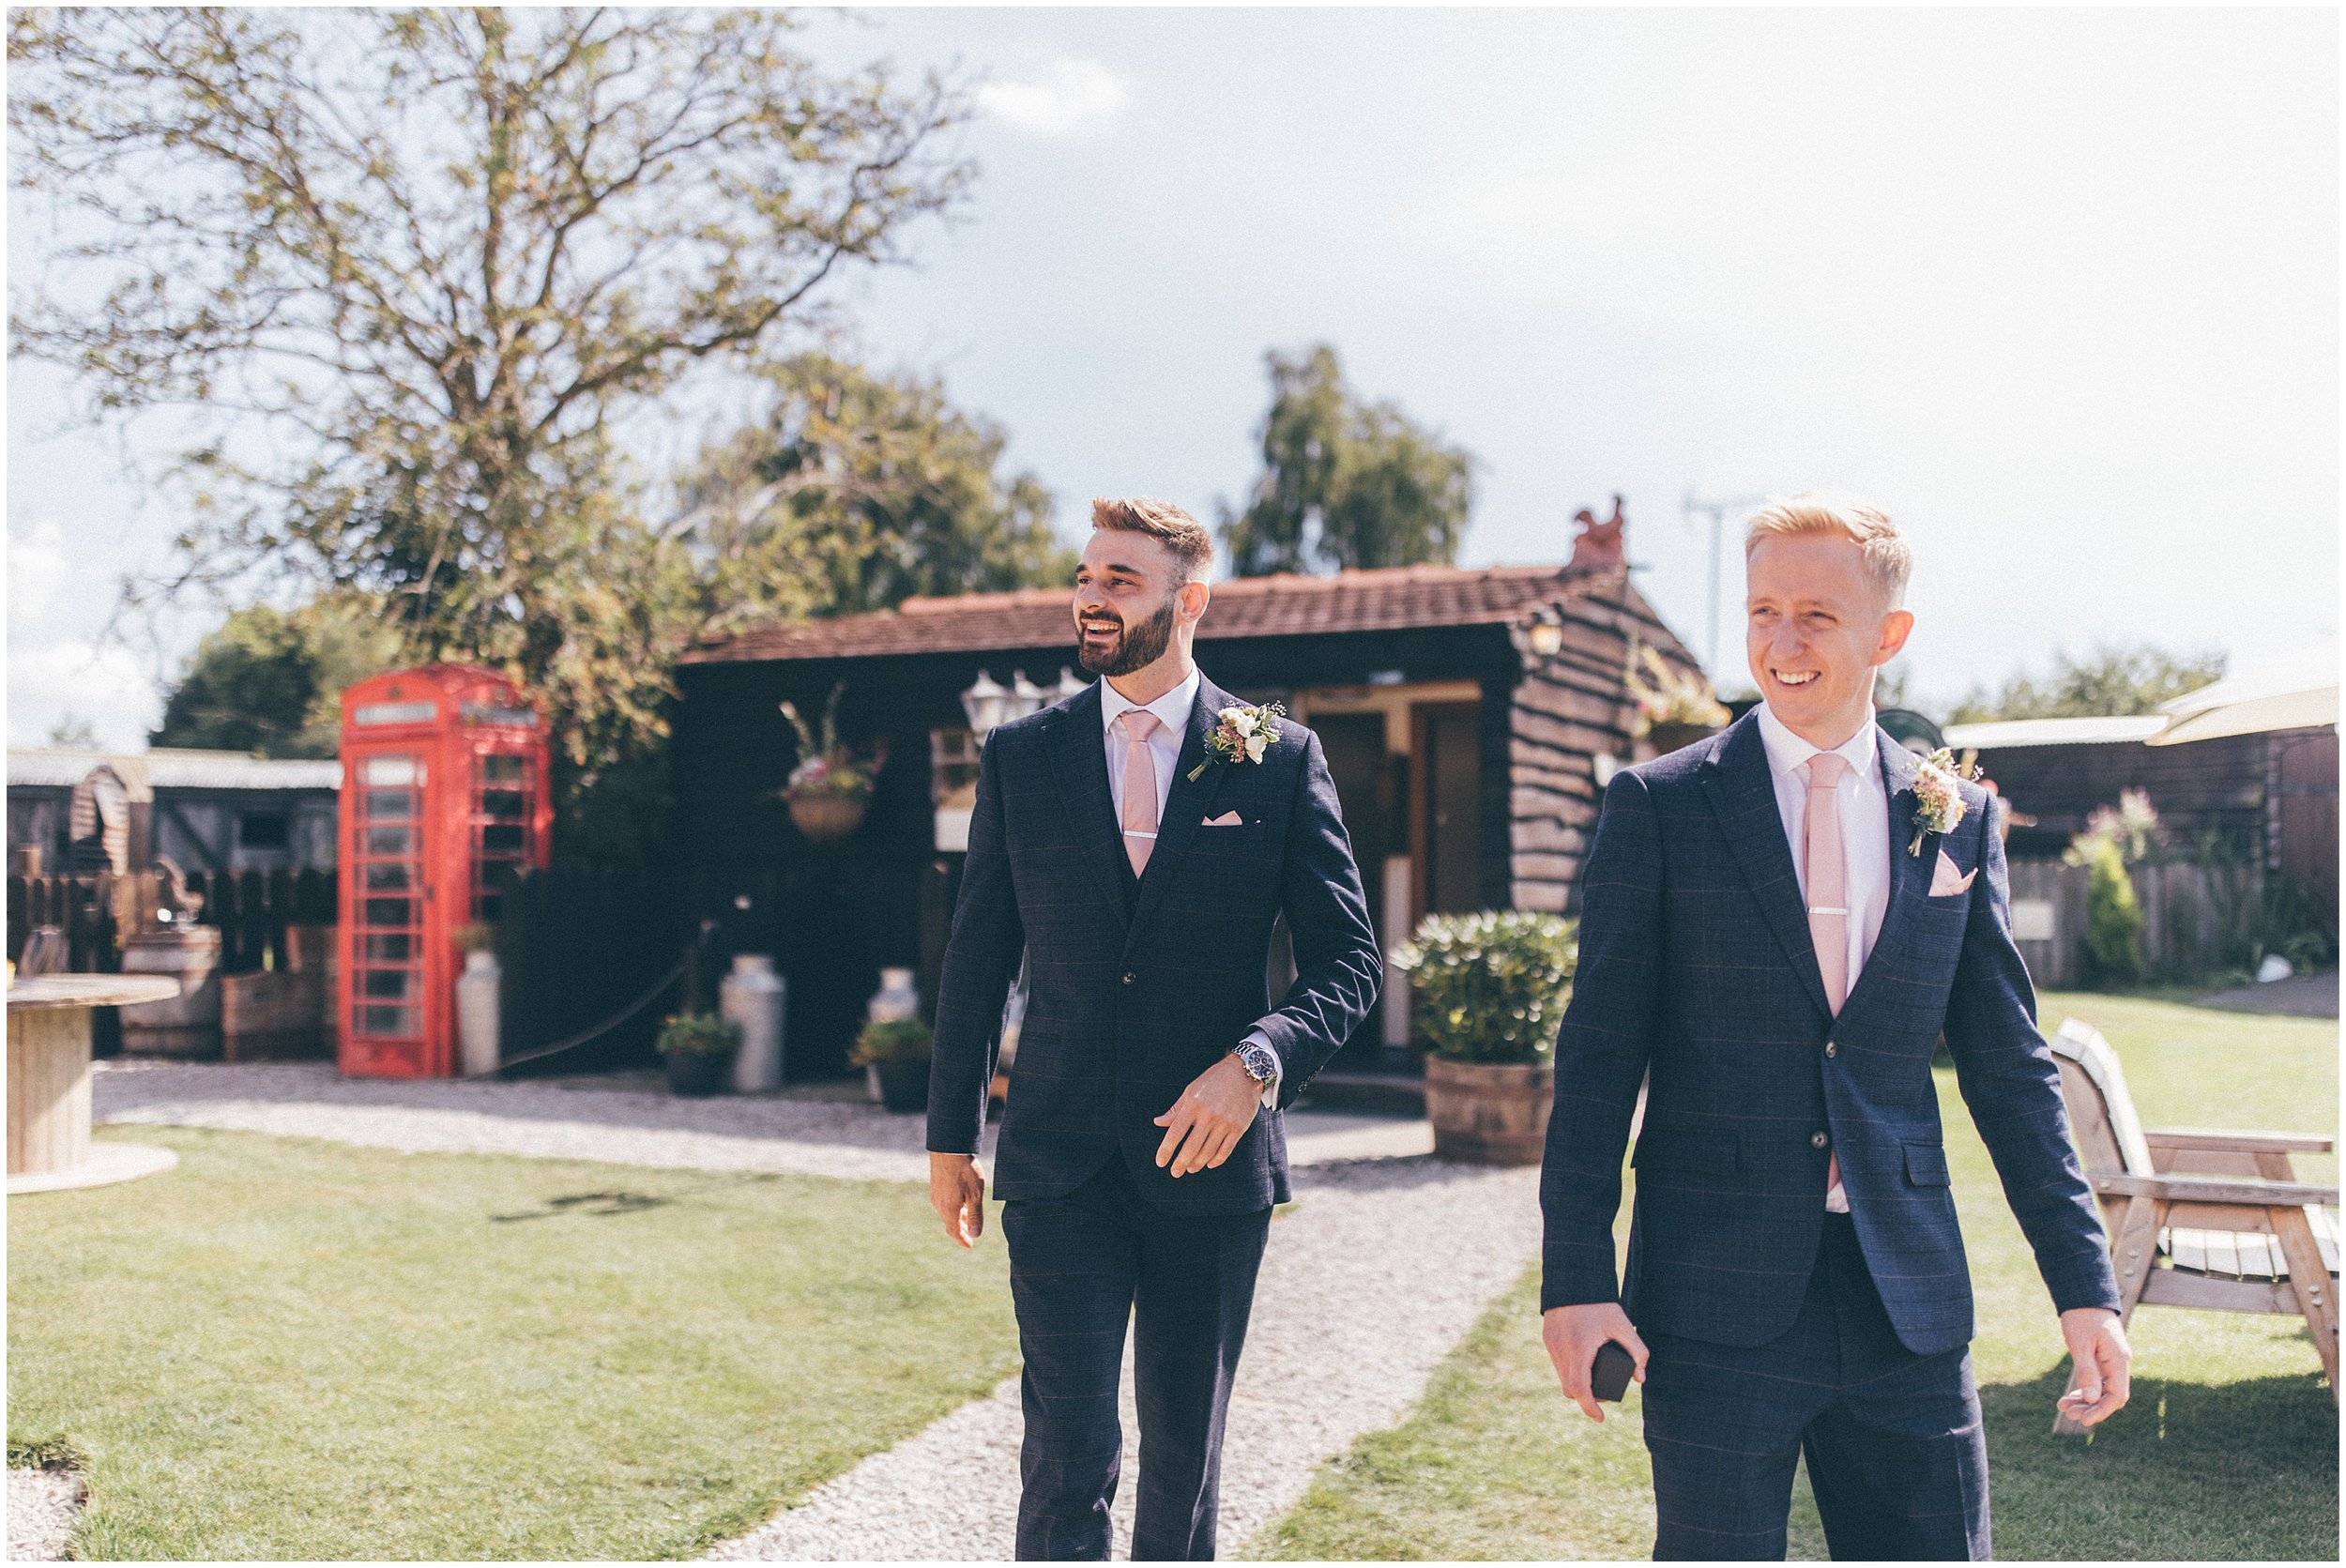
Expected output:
(56, 669)
(1072, 96)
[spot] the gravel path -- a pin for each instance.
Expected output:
(1367, 1283)
(41, 1506)
(625, 1118)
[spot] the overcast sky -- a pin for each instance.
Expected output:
(2057, 289)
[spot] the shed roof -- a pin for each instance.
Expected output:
(1386, 599)
(1996, 735)
(170, 767)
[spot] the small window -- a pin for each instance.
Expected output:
(264, 830)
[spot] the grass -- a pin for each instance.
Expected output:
(2228, 1450)
(294, 1349)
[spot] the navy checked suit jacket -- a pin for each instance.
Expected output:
(1696, 966)
(1130, 1000)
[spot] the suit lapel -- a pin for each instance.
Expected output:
(1079, 747)
(1910, 874)
(1186, 804)
(1742, 791)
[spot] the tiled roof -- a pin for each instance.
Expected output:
(1390, 598)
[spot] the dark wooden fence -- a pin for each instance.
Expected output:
(577, 944)
(2196, 918)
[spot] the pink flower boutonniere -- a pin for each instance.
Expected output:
(1243, 736)
(1938, 803)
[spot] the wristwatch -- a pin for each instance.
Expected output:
(1260, 1061)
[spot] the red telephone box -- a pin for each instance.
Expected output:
(445, 799)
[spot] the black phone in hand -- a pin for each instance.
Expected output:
(1608, 1375)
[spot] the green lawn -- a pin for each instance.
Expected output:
(2228, 1450)
(289, 1349)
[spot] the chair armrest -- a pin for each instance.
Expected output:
(2215, 1142)
(2217, 1189)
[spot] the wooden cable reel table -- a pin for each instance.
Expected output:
(49, 1083)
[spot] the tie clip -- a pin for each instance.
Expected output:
(1825, 909)
(1136, 833)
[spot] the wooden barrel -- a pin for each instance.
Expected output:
(188, 1024)
(1487, 1112)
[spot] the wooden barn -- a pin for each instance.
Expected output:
(1469, 716)
(208, 812)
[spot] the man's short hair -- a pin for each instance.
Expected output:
(1889, 561)
(1164, 522)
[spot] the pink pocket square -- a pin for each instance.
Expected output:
(1227, 819)
(1945, 880)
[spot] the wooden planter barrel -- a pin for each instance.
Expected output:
(1489, 1113)
(48, 1082)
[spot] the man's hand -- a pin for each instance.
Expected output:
(1212, 1115)
(2104, 1365)
(1572, 1335)
(957, 1193)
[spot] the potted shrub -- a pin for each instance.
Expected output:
(699, 1049)
(1674, 708)
(896, 1052)
(1490, 989)
(831, 788)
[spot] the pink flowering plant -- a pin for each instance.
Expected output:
(826, 767)
(1938, 803)
(1243, 736)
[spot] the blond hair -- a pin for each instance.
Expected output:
(1888, 559)
(1164, 522)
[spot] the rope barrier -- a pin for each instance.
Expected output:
(607, 1024)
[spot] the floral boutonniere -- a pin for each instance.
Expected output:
(1243, 736)
(1938, 804)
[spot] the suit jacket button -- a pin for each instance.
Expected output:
(1130, 977)
(1831, 1048)
(1817, 1140)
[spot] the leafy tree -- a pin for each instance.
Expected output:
(408, 274)
(857, 492)
(271, 683)
(2109, 681)
(1346, 483)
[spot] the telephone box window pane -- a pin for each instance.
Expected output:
(499, 875)
(501, 840)
(508, 804)
(395, 1022)
(389, 912)
(389, 877)
(390, 841)
(392, 771)
(389, 805)
(503, 770)
(488, 907)
(390, 984)
(387, 947)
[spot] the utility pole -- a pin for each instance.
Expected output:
(1717, 510)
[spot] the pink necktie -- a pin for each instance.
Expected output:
(1141, 786)
(1828, 902)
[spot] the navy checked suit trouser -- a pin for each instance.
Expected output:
(1079, 1267)
(1897, 1456)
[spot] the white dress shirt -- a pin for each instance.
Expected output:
(1164, 752)
(1864, 804)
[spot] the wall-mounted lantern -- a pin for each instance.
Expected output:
(984, 703)
(1545, 633)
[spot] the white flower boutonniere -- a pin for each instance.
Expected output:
(1938, 804)
(1243, 736)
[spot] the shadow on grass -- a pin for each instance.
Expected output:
(2194, 1470)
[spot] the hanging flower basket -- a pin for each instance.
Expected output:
(831, 788)
(829, 815)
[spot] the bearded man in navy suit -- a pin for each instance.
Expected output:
(1778, 924)
(1139, 864)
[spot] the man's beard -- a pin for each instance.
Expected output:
(1135, 646)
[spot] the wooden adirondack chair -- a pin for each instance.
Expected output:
(2200, 1218)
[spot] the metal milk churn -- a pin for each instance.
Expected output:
(751, 997)
(477, 992)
